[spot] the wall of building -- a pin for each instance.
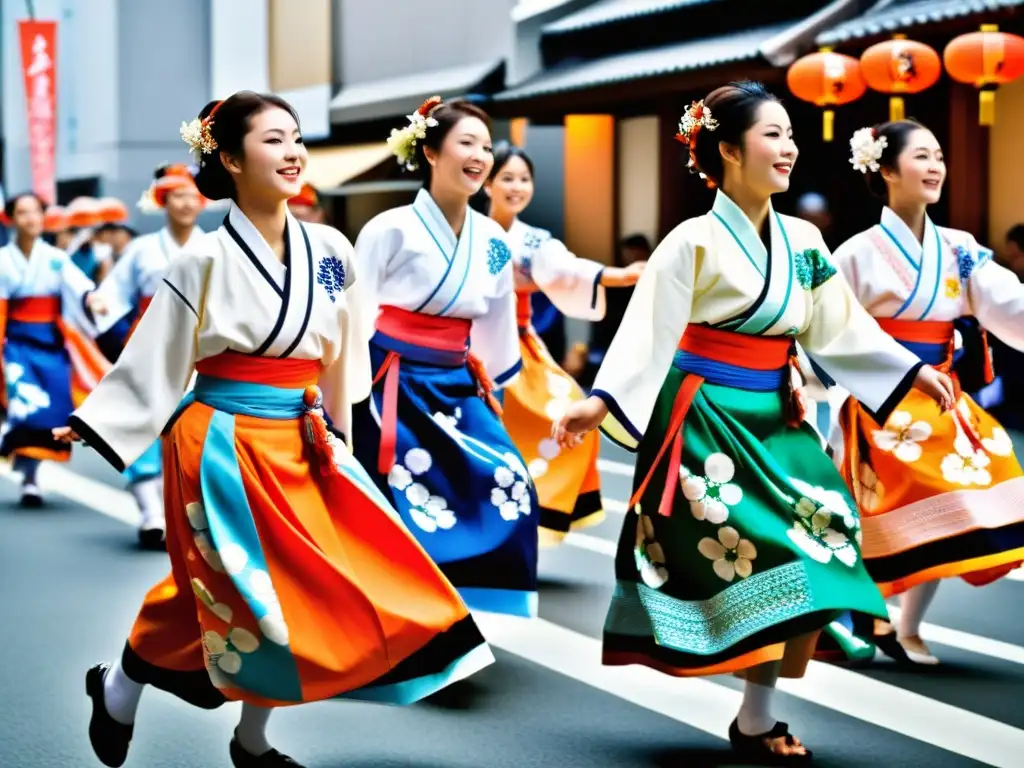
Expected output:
(1006, 164)
(638, 170)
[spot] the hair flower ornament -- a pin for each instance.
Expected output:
(866, 149)
(199, 136)
(402, 141)
(696, 118)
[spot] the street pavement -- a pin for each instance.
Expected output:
(71, 580)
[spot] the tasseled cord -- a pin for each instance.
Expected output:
(794, 406)
(484, 385)
(316, 432)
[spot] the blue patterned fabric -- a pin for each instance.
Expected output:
(458, 483)
(149, 465)
(331, 275)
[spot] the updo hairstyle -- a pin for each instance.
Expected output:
(896, 134)
(447, 116)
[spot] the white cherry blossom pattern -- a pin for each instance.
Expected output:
(712, 494)
(999, 444)
(223, 653)
(196, 514)
(429, 513)
(832, 502)
(902, 436)
(272, 625)
(870, 489)
(648, 554)
(561, 390)
(511, 494)
(221, 610)
(812, 532)
(731, 555)
(966, 466)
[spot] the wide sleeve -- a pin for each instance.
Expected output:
(640, 355)
(494, 337)
(848, 344)
(995, 296)
(572, 284)
(132, 404)
(347, 379)
(374, 247)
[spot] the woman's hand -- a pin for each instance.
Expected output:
(938, 386)
(581, 417)
(66, 435)
(622, 277)
(96, 304)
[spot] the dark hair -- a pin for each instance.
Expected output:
(1016, 235)
(896, 134)
(735, 107)
(503, 152)
(636, 241)
(228, 128)
(12, 203)
(447, 116)
(104, 228)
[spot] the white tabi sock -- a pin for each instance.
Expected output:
(148, 495)
(28, 468)
(755, 716)
(252, 729)
(121, 695)
(913, 604)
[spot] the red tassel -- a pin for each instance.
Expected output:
(485, 387)
(317, 434)
(795, 411)
(989, 372)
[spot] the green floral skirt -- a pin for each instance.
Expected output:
(761, 546)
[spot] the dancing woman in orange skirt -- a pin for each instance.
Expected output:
(568, 483)
(292, 579)
(939, 493)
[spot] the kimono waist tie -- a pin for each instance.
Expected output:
(267, 388)
(933, 342)
(422, 338)
(524, 318)
(724, 358)
(35, 309)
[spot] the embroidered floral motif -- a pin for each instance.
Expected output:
(428, 512)
(331, 275)
(966, 466)
(812, 269)
(952, 288)
(648, 554)
(833, 502)
(711, 496)
(731, 555)
(512, 493)
(498, 255)
(964, 261)
(999, 444)
(224, 653)
(812, 532)
(561, 389)
(870, 490)
(24, 397)
(900, 437)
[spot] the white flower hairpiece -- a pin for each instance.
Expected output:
(147, 203)
(199, 137)
(402, 141)
(866, 149)
(696, 117)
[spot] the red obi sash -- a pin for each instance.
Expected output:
(35, 309)
(524, 309)
(288, 373)
(717, 356)
(442, 341)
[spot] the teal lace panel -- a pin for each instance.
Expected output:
(706, 627)
(812, 269)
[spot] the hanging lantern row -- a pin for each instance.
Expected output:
(899, 67)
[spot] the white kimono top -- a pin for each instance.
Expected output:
(715, 270)
(231, 293)
(948, 276)
(139, 272)
(47, 271)
(410, 258)
(572, 284)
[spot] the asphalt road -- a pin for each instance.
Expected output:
(71, 580)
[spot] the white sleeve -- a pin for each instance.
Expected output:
(373, 250)
(494, 338)
(640, 355)
(132, 404)
(347, 379)
(572, 284)
(996, 297)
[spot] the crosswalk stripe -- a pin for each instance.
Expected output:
(615, 467)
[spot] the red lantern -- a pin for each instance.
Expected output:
(986, 60)
(900, 66)
(826, 79)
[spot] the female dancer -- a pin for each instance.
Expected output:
(938, 492)
(45, 362)
(135, 280)
(744, 543)
(444, 310)
(568, 484)
(292, 579)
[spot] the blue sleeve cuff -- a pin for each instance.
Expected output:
(597, 286)
(504, 377)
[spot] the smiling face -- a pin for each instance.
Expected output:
(464, 159)
(273, 158)
(766, 159)
(183, 205)
(28, 216)
(919, 173)
(511, 190)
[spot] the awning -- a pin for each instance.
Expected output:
(403, 95)
(330, 167)
(889, 16)
(609, 11)
(664, 60)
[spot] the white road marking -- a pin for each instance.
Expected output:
(97, 496)
(615, 467)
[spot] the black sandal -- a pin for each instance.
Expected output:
(757, 748)
(109, 739)
(272, 759)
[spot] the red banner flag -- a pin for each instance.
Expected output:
(39, 66)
